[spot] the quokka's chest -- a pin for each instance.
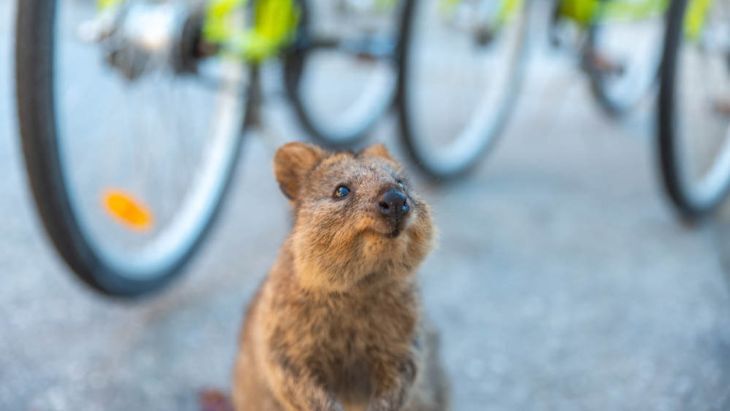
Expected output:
(352, 333)
(340, 339)
(344, 334)
(344, 354)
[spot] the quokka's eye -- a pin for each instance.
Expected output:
(341, 191)
(401, 183)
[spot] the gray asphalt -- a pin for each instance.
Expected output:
(562, 280)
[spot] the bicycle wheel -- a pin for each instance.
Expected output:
(340, 72)
(461, 64)
(694, 108)
(129, 139)
(623, 53)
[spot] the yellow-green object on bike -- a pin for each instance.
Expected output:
(507, 10)
(107, 4)
(694, 20)
(585, 12)
(274, 25)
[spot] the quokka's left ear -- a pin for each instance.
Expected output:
(377, 150)
(292, 162)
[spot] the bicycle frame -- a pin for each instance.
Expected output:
(587, 12)
(274, 26)
(507, 10)
(275, 21)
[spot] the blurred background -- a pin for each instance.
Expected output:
(563, 278)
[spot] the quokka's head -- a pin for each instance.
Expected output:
(357, 220)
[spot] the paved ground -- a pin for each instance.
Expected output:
(562, 281)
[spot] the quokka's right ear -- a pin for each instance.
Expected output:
(292, 162)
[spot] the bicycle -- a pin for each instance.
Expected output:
(693, 119)
(488, 41)
(132, 113)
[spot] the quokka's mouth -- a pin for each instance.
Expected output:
(397, 228)
(391, 232)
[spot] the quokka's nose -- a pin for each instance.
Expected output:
(394, 204)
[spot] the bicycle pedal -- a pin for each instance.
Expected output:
(484, 36)
(603, 64)
(721, 106)
(366, 58)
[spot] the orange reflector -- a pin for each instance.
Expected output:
(127, 210)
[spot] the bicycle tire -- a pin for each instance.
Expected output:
(689, 205)
(444, 170)
(39, 135)
(295, 61)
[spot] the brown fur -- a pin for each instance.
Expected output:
(337, 324)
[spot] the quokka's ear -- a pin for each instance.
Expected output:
(292, 162)
(377, 150)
